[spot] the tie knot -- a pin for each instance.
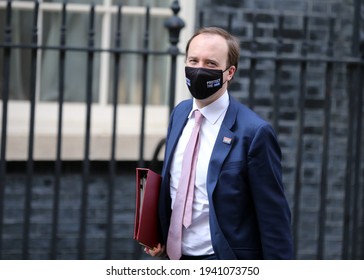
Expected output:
(198, 117)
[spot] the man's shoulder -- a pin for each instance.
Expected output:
(184, 104)
(244, 110)
(246, 117)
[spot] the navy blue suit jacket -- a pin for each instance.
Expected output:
(249, 215)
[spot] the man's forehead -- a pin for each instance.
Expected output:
(208, 43)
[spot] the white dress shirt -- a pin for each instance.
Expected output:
(196, 239)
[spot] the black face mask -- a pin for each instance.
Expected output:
(203, 82)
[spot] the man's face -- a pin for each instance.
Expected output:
(210, 51)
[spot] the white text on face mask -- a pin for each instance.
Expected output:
(213, 83)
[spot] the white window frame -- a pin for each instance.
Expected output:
(128, 129)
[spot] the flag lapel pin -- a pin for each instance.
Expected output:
(226, 140)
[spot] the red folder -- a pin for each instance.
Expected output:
(146, 225)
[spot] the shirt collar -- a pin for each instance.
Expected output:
(213, 111)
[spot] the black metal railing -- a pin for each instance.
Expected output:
(173, 25)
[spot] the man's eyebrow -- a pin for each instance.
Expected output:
(212, 60)
(205, 60)
(192, 57)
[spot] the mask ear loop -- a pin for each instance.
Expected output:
(231, 77)
(226, 69)
(224, 72)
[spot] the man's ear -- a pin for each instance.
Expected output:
(232, 70)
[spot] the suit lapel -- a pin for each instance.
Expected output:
(223, 145)
(179, 121)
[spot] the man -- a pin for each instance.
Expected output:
(239, 209)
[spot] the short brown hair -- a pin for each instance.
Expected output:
(232, 42)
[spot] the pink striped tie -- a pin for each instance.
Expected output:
(182, 208)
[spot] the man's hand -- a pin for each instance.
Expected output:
(156, 251)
